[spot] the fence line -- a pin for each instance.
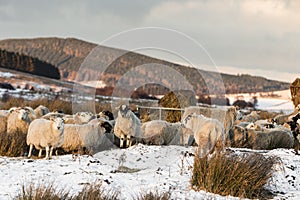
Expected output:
(160, 109)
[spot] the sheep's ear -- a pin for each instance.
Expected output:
(12, 109)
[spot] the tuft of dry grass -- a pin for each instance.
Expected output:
(92, 191)
(41, 192)
(241, 176)
(154, 196)
(13, 145)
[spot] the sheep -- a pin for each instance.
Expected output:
(238, 136)
(276, 138)
(127, 125)
(41, 111)
(226, 115)
(107, 115)
(31, 113)
(159, 132)
(94, 136)
(294, 125)
(18, 120)
(79, 118)
(48, 134)
(283, 118)
(208, 133)
(252, 117)
(265, 124)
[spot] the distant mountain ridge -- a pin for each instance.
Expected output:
(67, 54)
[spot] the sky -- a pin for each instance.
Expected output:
(257, 37)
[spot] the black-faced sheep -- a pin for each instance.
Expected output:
(45, 134)
(159, 132)
(18, 120)
(127, 126)
(208, 133)
(94, 136)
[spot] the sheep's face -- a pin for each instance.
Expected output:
(187, 122)
(84, 116)
(58, 123)
(239, 115)
(107, 115)
(22, 114)
(124, 111)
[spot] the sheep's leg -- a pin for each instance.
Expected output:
(51, 151)
(47, 153)
(30, 150)
(128, 141)
(122, 140)
(40, 153)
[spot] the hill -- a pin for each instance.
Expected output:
(27, 64)
(68, 54)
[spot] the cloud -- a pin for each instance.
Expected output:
(246, 34)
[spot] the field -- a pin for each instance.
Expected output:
(136, 170)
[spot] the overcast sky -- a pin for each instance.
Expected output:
(255, 36)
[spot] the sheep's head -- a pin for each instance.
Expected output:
(124, 110)
(187, 121)
(107, 115)
(58, 122)
(84, 116)
(21, 113)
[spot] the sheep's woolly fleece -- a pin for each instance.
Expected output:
(156, 168)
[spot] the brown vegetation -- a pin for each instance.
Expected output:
(241, 176)
(13, 145)
(92, 191)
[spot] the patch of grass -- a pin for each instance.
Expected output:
(95, 192)
(92, 191)
(154, 196)
(13, 145)
(241, 176)
(41, 192)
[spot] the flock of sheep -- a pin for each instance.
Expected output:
(209, 128)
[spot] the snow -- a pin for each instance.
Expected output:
(6, 75)
(155, 168)
(278, 101)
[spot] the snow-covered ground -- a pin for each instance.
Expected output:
(156, 168)
(276, 101)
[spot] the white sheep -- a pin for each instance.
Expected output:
(208, 133)
(93, 136)
(41, 111)
(79, 118)
(159, 132)
(48, 134)
(127, 126)
(226, 115)
(17, 120)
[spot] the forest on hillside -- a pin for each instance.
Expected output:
(19, 62)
